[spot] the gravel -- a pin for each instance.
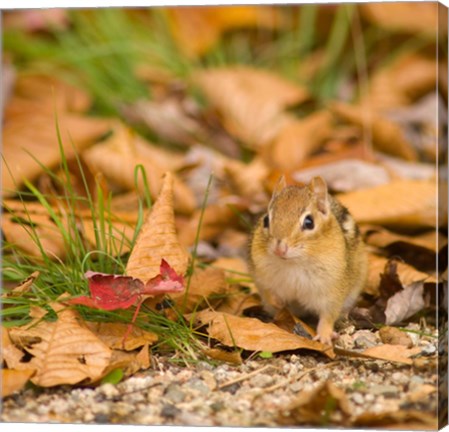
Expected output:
(247, 395)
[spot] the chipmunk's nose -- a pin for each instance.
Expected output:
(281, 248)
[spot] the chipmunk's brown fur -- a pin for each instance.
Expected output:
(307, 254)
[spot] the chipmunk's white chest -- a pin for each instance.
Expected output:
(300, 286)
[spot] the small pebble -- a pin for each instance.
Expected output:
(169, 411)
(175, 394)
(384, 389)
(358, 398)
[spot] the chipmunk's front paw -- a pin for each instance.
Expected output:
(325, 333)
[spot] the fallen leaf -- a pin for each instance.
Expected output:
(394, 336)
(64, 351)
(400, 82)
(129, 362)
(381, 237)
(9, 353)
(405, 303)
(197, 29)
(386, 135)
(297, 139)
(112, 335)
(111, 292)
(167, 118)
(237, 301)
(117, 159)
(254, 335)
(23, 287)
(7, 83)
(115, 238)
(35, 136)
(394, 353)
(405, 169)
(157, 239)
(232, 357)
(34, 234)
(393, 204)
(215, 219)
(247, 179)
(207, 287)
(403, 17)
(14, 380)
(250, 101)
(400, 420)
(381, 267)
(346, 175)
(325, 404)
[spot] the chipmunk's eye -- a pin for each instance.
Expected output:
(308, 223)
(266, 221)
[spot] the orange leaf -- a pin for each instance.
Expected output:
(64, 352)
(254, 335)
(250, 101)
(14, 380)
(157, 239)
(402, 203)
(394, 353)
(196, 29)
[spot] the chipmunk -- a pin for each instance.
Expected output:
(307, 254)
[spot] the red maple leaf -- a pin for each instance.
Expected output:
(111, 292)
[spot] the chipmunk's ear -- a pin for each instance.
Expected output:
(319, 188)
(281, 184)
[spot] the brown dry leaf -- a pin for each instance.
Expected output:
(197, 29)
(117, 237)
(346, 175)
(251, 102)
(247, 179)
(325, 404)
(112, 335)
(157, 239)
(117, 158)
(254, 335)
(405, 203)
(14, 380)
(409, 77)
(47, 93)
(167, 118)
(377, 266)
(419, 251)
(394, 336)
(405, 303)
(399, 168)
(23, 287)
(34, 135)
(376, 235)
(400, 420)
(297, 140)
(394, 353)
(9, 353)
(129, 362)
(207, 287)
(387, 137)
(216, 218)
(236, 270)
(404, 17)
(64, 351)
(233, 357)
(32, 233)
(237, 301)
